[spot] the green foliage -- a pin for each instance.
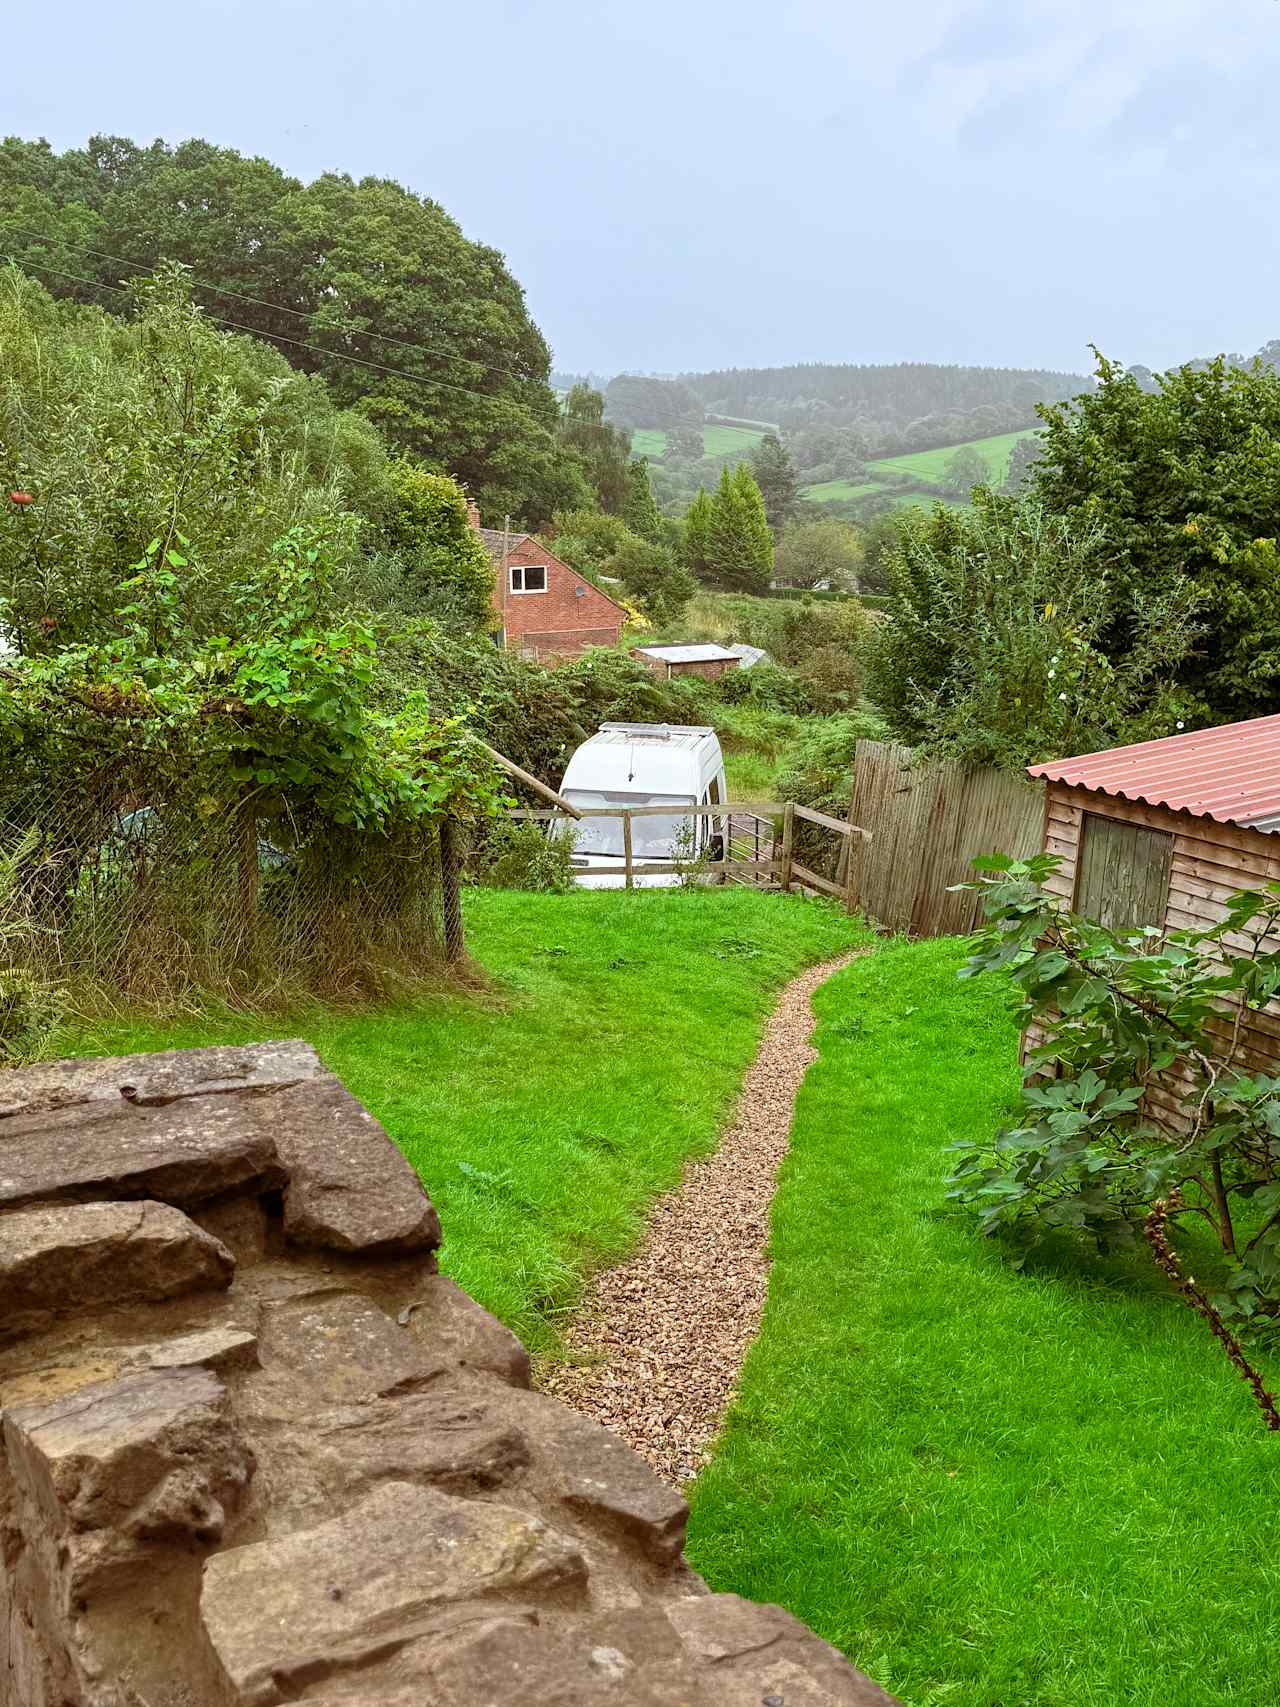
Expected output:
(639, 510)
(123, 432)
(360, 262)
(822, 549)
(604, 450)
(994, 650)
(30, 1007)
(965, 468)
(695, 546)
(775, 475)
(444, 564)
(817, 768)
(1120, 1011)
(653, 579)
(739, 546)
(516, 855)
(1185, 482)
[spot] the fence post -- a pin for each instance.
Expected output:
(450, 892)
(626, 845)
(788, 837)
(853, 851)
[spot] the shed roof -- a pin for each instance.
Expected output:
(749, 655)
(1230, 774)
(687, 654)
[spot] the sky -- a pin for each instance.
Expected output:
(719, 183)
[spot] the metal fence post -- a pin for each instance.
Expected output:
(626, 846)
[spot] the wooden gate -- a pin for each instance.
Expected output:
(927, 822)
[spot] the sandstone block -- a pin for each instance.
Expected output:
(84, 1255)
(154, 1456)
(453, 1325)
(456, 1443)
(280, 1612)
(762, 1653)
(344, 1347)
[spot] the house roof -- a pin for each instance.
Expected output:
(687, 654)
(1230, 774)
(493, 538)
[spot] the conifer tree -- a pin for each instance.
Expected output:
(741, 549)
(776, 477)
(697, 534)
(639, 511)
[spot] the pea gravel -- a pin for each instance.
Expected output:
(657, 1347)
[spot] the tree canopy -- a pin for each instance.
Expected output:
(422, 330)
(1184, 482)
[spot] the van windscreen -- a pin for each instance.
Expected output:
(660, 836)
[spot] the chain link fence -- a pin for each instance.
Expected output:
(120, 889)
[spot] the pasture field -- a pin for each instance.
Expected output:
(716, 441)
(931, 465)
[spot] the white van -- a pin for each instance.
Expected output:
(644, 764)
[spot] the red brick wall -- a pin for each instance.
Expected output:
(561, 621)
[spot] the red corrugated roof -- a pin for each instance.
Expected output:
(1231, 774)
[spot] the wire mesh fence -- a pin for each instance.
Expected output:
(124, 889)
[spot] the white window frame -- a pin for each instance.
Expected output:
(521, 569)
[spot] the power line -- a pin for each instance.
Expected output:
(673, 417)
(275, 307)
(316, 349)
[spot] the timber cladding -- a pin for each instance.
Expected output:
(927, 823)
(1127, 863)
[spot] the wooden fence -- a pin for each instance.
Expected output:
(926, 824)
(759, 842)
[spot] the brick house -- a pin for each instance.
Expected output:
(546, 609)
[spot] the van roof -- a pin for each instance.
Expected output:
(645, 758)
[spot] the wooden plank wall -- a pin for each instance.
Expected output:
(1209, 863)
(927, 822)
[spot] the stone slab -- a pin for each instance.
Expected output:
(153, 1455)
(452, 1325)
(761, 1653)
(81, 1256)
(279, 1612)
(343, 1347)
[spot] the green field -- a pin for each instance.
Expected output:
(931, 465)
(924, 465)
(991, 1487)
(716, 441)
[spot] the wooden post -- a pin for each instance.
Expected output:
(852, 869)
(788, 837)
(450, 892)
(626, 846)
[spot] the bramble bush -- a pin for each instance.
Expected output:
(1119, 1011)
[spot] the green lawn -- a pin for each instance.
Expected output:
(991, 1489)
(543, 1115)
(830, 491)
(716, 441)
(931, 465)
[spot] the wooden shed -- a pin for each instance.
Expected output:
(1164, 832)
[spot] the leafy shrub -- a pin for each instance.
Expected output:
(817, 767)
(518, 855)
(766, 685)
(1119, 1011)
(443, 561)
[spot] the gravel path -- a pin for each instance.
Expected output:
(663, 1337)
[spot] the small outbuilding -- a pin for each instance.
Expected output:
(1165, 832)
(692, 660)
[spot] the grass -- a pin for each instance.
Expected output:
(716, 441)
(990, 1488)
(543, 1116)
(931, 465)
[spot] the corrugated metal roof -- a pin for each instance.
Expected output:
(686, 654)
(1230, 774)
(749, 655)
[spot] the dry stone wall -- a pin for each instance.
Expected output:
(256, 1449)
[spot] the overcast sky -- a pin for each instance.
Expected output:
(684, 184)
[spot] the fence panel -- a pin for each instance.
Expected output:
(927, 823)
